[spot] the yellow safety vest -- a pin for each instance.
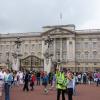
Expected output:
(61, 81)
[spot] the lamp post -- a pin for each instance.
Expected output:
(48, 41)
(58, 64)
(31, 63)
(47, 54)
(18, 42)
(8, 63)
(16, 55)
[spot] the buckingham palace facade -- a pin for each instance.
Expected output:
(78, 50)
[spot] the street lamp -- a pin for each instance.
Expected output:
(48, 41)
(58, 63)
(47, 54)
(18, 42)
(8, 63)
(16, 55)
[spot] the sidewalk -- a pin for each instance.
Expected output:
(84, 92)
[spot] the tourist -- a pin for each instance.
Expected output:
(26, 81)
(7, 83)
(1, 82)
(32, 81)
(70, 86)
(98, 78)
(45, 82)
(38, 74)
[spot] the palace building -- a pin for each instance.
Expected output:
(78, 50)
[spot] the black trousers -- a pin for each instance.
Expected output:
(25, 86)
(70, 93)
(59, 92)
(32, 85)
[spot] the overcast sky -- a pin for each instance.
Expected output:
(32, 15)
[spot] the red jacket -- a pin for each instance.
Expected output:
(33, 78)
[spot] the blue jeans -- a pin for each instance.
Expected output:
(7, 95)
(98, 81)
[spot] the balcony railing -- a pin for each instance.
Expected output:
(88, 60)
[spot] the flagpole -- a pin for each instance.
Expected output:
(60, 18)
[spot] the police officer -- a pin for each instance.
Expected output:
(60, 84)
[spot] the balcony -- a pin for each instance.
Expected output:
(88, 60)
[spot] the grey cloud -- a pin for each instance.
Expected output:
(31, 15)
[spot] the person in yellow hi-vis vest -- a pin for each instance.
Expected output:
(61, 84)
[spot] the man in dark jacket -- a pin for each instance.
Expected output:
(26, 81)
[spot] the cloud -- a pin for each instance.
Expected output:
(91, 24)
(31, 15)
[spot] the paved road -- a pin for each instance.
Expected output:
(84, 92)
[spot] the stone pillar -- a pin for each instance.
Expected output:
(71, 52)
(42, 49)
(66, 50)
(54, 56)
(71, 49)
(61, 49)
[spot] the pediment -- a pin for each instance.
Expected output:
(58, 31)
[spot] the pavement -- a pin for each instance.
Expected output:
(83, 92)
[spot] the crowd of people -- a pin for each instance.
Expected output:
(64, 81)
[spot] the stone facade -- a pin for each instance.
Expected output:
(78, 50)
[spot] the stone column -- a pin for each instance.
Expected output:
(71, 49)
(54, 56)
(71, 52)
(66, 50)
(61, 49)
(43, 48)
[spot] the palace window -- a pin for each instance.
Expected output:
(32, 46)
(57, 55)
(12, 47)
(39, 53)
(86, 44)
(64, 44)
(57, 44)
(0, 47)
(94, 54)
(32, 53)
(26, 54)
(78, 55)
(94, 44)
(26, 46)
(70, 42)
(64, 56)
(77, 45)
(95, 63)
(0, 56)
(7, 47)
(86, 54)
(40, 46)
